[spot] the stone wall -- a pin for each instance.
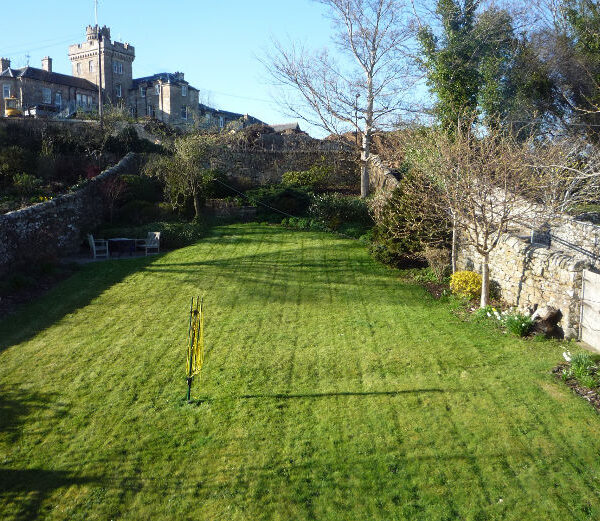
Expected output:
(266, 162)
(531, 276)
(57, 227)
(578, 236)
(381, 178)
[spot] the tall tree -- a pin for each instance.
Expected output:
(359, 88)
(450, 60)
(573, 53)
(478, 64)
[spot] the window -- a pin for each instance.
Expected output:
(118, 90)
(184, 90)
(83, 100)
(46, 96)
(184, 112)
(118, 67)
(58, 99)
(150, 111)
(6, 91)
(91, 66)
(78, 69)
(143, 92)
(221, 122)
(157, 89)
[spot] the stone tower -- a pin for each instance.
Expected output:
(116, 61)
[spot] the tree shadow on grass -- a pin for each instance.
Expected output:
(26, 489)
(16, 405)
(69, 295)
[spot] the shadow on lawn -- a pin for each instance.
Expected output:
(272, 274)
(26, 489)
(282, 396)
(333, 394)
(71, 294)
(17, 405)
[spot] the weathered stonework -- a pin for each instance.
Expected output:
(531, 276)
(381, 178)
(55, 228)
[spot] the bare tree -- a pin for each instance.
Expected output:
(358, 93)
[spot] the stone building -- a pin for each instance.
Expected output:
(43, 92)
(100, 61)
(166, 97)
(214, 118)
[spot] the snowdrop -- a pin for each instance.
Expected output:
(567, 356)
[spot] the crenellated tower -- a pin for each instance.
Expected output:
(113, 59)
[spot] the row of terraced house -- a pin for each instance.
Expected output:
(99, 60)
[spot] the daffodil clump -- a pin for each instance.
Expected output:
(515, 321)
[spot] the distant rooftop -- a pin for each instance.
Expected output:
(51, 77)
(286, 126)
(165, 77)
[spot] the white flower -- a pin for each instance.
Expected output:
(567, 356)
(489, 314)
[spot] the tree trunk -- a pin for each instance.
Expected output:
(454, 244)
(197, 205)
(366, 143)
(364, 167)
(485, 281)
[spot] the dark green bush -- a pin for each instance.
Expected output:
(315, 177)
(138, 212)
(393, 255)
(173, 234)
(272, 200)
(333, 210)
(142, 188)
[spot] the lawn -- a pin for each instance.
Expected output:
(331, 390)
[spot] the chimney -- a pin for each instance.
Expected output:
(47, 64)
(4, 64)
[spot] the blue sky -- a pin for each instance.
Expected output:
(216, 44)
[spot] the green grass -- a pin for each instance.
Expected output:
(331, 390)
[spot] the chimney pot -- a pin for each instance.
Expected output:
(4, 64)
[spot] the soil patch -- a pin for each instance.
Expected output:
(591, 395)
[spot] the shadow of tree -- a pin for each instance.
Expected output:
(68, 296)
(16, 405)
(26, 489)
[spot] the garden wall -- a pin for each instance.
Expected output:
(57, 227)
(262, 167)
(380, 176)
(531, 276)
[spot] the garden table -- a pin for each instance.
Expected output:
(121, 245)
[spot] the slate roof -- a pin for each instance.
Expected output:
(286, 126)
(165, 77)
(205, 108)
(51, 77)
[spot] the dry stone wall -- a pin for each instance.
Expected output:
(381, 178)
(531, 276)
(260, 167)
(57, 227)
